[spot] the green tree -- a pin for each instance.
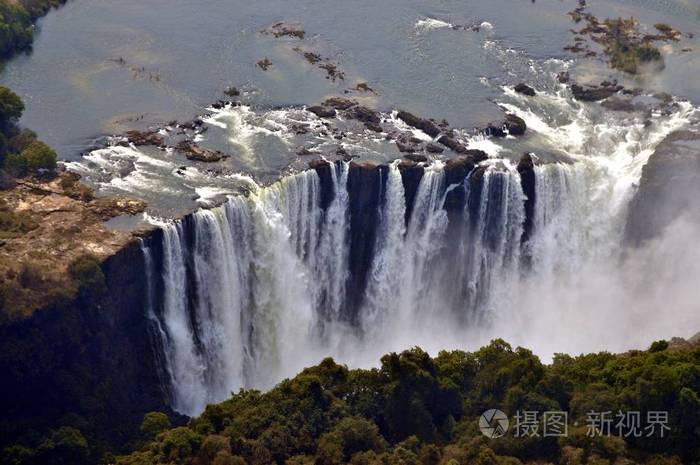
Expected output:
(11, 106)
(39, 156)
(154, 423)
(88, 274)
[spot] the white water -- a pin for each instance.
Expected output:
(256, 289)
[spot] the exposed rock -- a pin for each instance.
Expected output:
(515, 125)
(526, 168)
(415, 157)
(452, 144)
(332, 70)
(302, 151)
(433, 148)
(408, 144)
(322, 111)
(364, 87)
(194, 152)
(563, 77)
(373, 127)
(282, 29)
(111, 207)
(594, 93)
(264, 64)
(422, 124)
(300, 128)
(669, 187)
(525, 90)
(366, 115)
(618, 104)
(145, 138)
(192, 125)
(494, 131)
(339, 103)
(411, 175)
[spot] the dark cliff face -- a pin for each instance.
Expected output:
(88, 363)
(669, 188)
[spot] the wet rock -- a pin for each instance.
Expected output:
(192, 125)
(594, 93)
(374, 127)
(366, 115)
(618, 104)
(669, 187)
(408, 144)
(264, 64)
(145, 138)
(283, 29)
(339, 103)
(194, 152)
(411, 175)
(525, 90)
(422, 124)
(456, 171)
(416, 157)
(452, 144)
(526, 168)
(364, 87)
(494, 131)
(300, 129)
(302, 151)
(322, 111)
(563, 77)
(515, 125)
(433, 148)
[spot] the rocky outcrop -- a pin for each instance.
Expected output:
(669, 187)
(194, 152)
(88, 362)
(594, 93)
(422, 124)
(526, 168)
(525, 90)
(145, 138)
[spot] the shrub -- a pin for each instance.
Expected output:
(153, 424)
(88, 274)
(16, 165)
(11, 106)
(39, 156)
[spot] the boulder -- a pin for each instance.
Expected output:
(452, 144)
(515, 125)
(322, 111)
(422, 124)
(194, 152)
(433, 148)
(408, 144)
(365, 114)
(526, 168)
(145, 138)
(416, 157)
(339, 103)
(525, 90)
(669, 187)
(594, 93)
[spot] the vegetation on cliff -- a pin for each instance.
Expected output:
(625, 46)
(418, 410)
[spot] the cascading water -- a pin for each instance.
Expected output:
(256, 289)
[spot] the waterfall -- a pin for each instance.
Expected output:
(266, 284)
